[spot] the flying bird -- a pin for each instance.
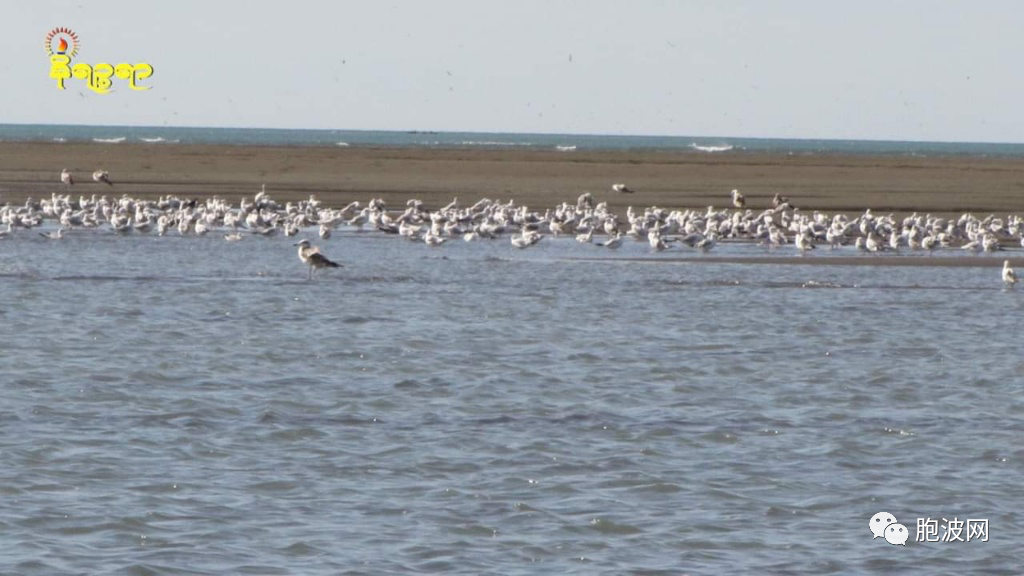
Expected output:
(311, 255)
(102, 176)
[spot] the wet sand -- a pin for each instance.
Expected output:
(539, 179)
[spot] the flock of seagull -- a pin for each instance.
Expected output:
(779, 225)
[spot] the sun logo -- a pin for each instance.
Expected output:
(62, 41)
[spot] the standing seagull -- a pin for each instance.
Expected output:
(102, 176)
(65, 177)
(1009, 276)
(738, 200)
(311, 255)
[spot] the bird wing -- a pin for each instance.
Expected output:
(319, 259)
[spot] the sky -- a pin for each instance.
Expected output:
(876, 69)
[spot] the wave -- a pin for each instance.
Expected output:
(158, 140)
(110, 140)
(722, 148)
(492, 143)
(565, 148)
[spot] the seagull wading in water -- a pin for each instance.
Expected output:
(1009, 276)
(311, 255)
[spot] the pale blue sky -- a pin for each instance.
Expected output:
(905, 70)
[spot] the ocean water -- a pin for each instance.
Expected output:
(186, 405)
(566, 143)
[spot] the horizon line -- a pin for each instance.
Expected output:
(546, 134)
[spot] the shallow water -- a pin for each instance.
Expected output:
(192, 406)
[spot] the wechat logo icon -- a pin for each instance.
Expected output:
(884, 525)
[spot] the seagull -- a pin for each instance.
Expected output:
(614, 242)
(526, 239)
(708, 242)
(1009, 276)
(432, 240)
(738, 200)
(585, 237)
(586, 200)
(872, 243)
(621, 188)
(311, 255)
(655, 240)
(65, 177)
(102, 176)
(233, 237)
(56, 235)
(804, 241)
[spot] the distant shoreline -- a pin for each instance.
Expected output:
(441, 140)
(539, 179)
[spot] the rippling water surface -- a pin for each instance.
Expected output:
(193, 406)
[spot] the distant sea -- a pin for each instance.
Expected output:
(567, 143)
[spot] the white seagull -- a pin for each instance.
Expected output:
(614, 242)
(621, 188)
(1009, 276)
(102, 176)
(311, 255)
(526, 239)
(65, 177)
(55, 235)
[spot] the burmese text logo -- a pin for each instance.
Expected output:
(62, 45)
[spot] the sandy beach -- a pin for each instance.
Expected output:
(539, 179)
